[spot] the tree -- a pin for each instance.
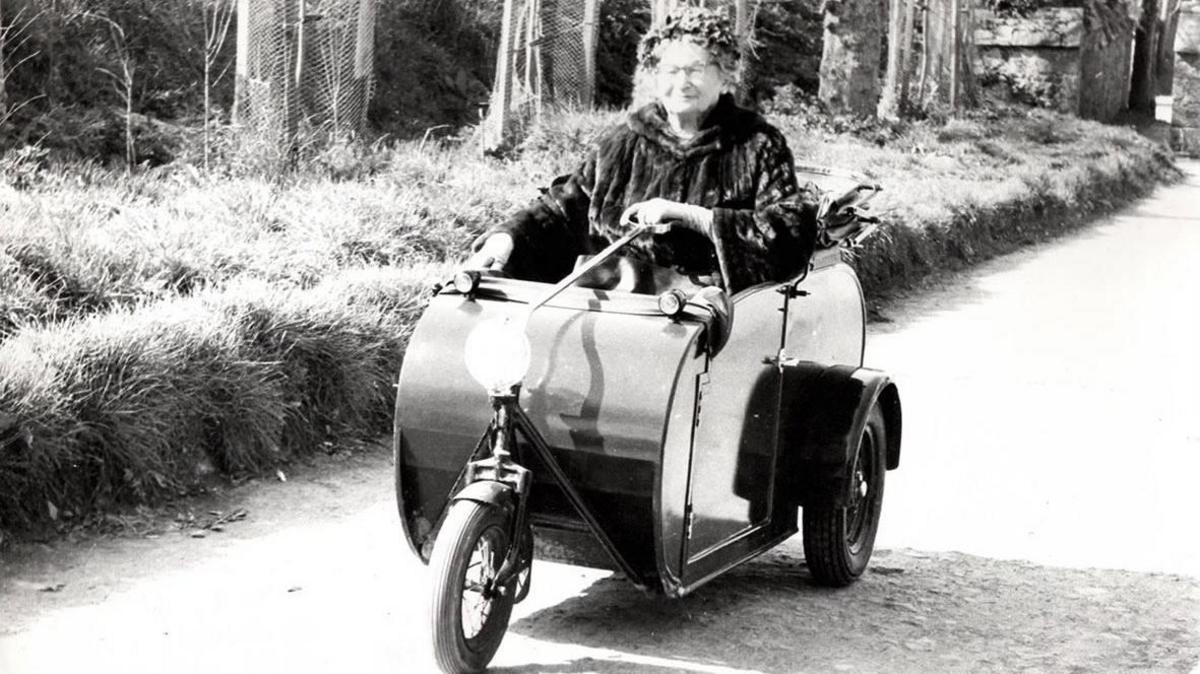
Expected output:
(944, 75)
(853, 32)
(122, 80)
(217, 17)
(1145, 51)
(891, 97)
(1165, 57)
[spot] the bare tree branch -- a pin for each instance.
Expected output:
(122, 82)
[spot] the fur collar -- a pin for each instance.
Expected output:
(726, 124)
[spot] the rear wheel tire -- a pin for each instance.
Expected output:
(469, 617)
(838, 541)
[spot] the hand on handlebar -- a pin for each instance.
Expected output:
(493, 254)
(663, 214)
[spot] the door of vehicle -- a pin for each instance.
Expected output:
(730, 512)
(734, 450)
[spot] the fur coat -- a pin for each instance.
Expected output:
(738, 165)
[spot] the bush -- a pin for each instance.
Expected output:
(69, 45)
(134, 405)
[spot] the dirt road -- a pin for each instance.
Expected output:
(1043, 519)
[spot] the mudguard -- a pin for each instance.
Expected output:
(823, 411)
(487, 492)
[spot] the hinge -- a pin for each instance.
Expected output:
(689, 517)
(791, 291)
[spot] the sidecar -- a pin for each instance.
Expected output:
(690, 460)
(668, 437)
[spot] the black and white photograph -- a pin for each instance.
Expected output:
(599, 336)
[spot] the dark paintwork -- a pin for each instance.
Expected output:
(652, 431)
(825, 409)
(736, 511)
(599, 390)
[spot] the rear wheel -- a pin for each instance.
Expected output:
(838, 541)
(469, 612)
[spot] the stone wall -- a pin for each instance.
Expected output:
(1056, 57)
(1185, 104)
(1033, 60)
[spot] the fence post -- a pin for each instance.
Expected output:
(590, 28)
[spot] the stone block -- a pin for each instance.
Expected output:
(1187, 33)
(1048, 27)
(1185, 104)
(1048, 78)
(1186, 141)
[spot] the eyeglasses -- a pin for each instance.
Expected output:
(692, 71)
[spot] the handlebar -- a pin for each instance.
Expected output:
(597, 260)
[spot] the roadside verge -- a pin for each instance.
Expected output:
(144, 402)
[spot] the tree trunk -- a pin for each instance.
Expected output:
(889, 100)
(939, 43)
(968, 91)
(1165, 69)
(1145, 51)
(906, 49)
(3, 72)
(850, 60)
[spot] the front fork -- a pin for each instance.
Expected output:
(499, 466)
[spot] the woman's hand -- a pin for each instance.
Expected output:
(493, 254)
(659, 211)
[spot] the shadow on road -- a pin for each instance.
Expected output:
(912, 612)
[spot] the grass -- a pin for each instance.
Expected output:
(159, 328)
(136, 404)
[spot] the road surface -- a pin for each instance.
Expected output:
(1044, 518)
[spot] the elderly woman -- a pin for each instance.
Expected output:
(720, 173)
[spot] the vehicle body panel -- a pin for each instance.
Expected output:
(601, 407)
(680, 454)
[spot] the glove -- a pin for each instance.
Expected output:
(660, 211)
(493, 254)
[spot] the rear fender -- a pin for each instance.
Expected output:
(823, 411)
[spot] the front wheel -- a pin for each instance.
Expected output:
(838, 541)
(469, 612)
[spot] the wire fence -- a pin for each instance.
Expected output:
(547, 53)
(547, 56)
(304, 65)
(307, 65)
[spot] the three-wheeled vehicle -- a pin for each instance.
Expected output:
(670, 437)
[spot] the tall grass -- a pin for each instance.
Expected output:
(132, 405)
(78, 239)
(92, 241)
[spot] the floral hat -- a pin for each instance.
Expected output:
(710, 28)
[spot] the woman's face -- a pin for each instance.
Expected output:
(688, 80)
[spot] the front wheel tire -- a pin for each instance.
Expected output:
(838, 541)
(469, 613)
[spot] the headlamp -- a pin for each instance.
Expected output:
(466, 281)
(497, 354)
(672, 302)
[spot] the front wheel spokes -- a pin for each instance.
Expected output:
(478, 588)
